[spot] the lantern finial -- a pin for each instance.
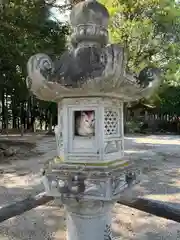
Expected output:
(89, 20)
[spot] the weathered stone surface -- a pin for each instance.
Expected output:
(88, 12)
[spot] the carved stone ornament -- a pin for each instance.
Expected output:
(86, 185)
(93, 66)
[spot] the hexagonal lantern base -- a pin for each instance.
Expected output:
(89, 183)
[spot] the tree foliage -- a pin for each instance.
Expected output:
(25, 29)
(150, 32)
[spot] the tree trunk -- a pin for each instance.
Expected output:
(3, 111)
(50, 123)
(14, 112)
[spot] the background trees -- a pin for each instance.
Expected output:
(149, 30)
(26, 28)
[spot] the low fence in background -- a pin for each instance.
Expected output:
(152, 123)
(137, 123)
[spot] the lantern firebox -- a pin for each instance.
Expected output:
(90, 130)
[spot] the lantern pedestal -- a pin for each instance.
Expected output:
(88, 194)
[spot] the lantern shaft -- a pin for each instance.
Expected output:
(91, 221)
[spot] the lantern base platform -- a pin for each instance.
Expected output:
(85, 182)
(59, 163)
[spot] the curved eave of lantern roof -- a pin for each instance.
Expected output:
(126, 90)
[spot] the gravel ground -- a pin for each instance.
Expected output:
(159, 157)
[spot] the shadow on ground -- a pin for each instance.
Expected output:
(44, 222)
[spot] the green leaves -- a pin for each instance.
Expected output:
(150, 32)
(149, 29)
(26, 29)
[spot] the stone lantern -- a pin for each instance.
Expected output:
(90, 85)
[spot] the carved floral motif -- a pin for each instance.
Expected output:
(96, 188)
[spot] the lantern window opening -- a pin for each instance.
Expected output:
(111, 122)
(84, 123)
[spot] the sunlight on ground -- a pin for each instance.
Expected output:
(157, 141)
(172, 197)
(13, 180)
(135, 151)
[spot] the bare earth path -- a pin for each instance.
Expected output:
(158, 155)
